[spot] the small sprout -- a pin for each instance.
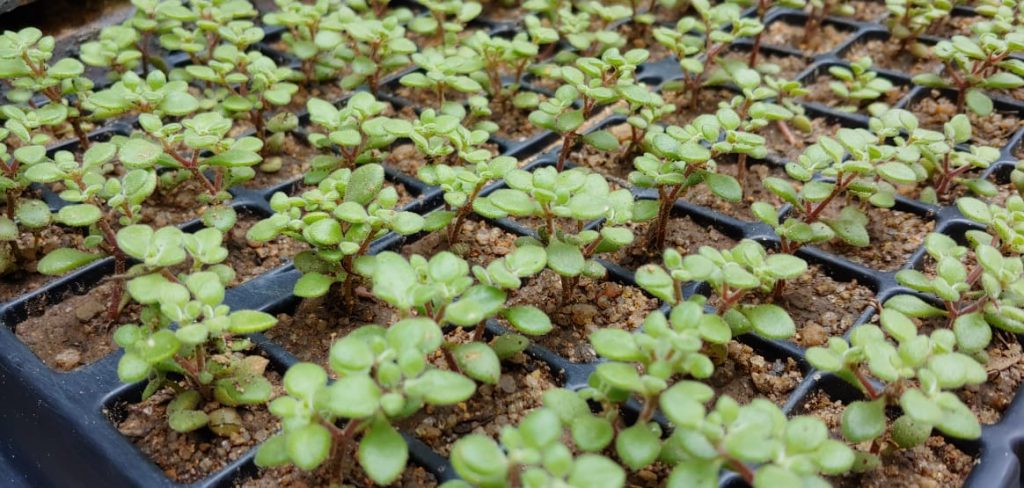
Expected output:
(859, 85)
(462, 186)
(447, 19)
(501, 56)
(115, 50)
(441, 72)
(152, 95)
(816, 17)
(198, 28)
(21, 214)
(1003, 222)
(908, 19)
(358, 131)
(384, 375)
(380, 49)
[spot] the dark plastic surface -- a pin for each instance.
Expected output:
(55, 430)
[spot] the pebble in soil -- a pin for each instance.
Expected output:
(894, 236)
(993, 130)
(781, 33)
(743, 374)
(891, 56)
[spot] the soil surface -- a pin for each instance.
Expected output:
(479, 243)
(754, 190)
(189, 457)
(994, 130)
(954, 25)
(682, 233)
(615, 165)
(250, 259)
(894, 235)
(891, 56)
(866, 10)
(74, 332)
(407, 159)
(707, 103)
(522, 382)
(821, 92)
(781, 33)
(789, 66)
(780, 145)
(513, 123)
(594, 305)
(27, 250)
(744, 375)
(935, 463)
(291, 477)
(295, 158)
(174, 205)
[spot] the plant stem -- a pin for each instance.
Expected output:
(869, 388)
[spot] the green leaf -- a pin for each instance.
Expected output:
(602, 140)
(273, 452)
(615, 344)
(79, 215)
(250, 321)
(694, 473)
(442, 387)
(725, 186)
(308, 446)
(974, 209)
(863, 420)
(479, 460)
(66, 68)
(619, 375)
(568, 121)
(979, 102)
(528, 319)
(139, 153)
(478, 361)
(770, 321)
(514, 202)
(304, 380)
(973, 334)
(62, 260)
(897, 173)
(353, 397)
(565, 259)
(364, 184)
(637, 446)
(593, 471)
(234, 158)
(312, 285)
(591, 433)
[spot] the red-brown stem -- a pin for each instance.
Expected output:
(739, 467)
(761, 8)
(840, 185)
(450, 360)
(568, 141)
(460, 216)
(788, 134)
(869, 388)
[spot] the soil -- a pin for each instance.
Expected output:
(192, 456)
(789, 66)
(29, 249)
(291, 477)
(866, 10)
(295, 155)
(894, 235)
(479, 243)
(513, 123)
(407, 159)
(954, 25)
(933, 464)
(781, 33)
(682, 233)
(744, 375)
(994, 130)
(820, 306)
(174, 205)
(707, 103)
(595, 304)
(73, 332)
(250, 259)
(426, 98)
(522, 382)
(754, 190)
(612, 165)
(820, 92)
(890, 56)
(500, 11)
(779, 145)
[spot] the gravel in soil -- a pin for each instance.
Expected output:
(754, 190)
(73, 332)
(612, 164)
(295, 158)
(426, 98)
(781, 33)
(743, 374)
(866, 10)
(788, 66)
(894, 235)
(27, 250)
(189, 457)
(174, 205)
(522, 382)
(501, 11)
(479, 243)
(707, 103)
(936, 463)
(594, 305)
(954, 25)
(250, 259)
(779, 145)
(891, 56)
(513, 123)
(407, 159)
(994, 130)
(821, 92)
(292, 477)
(682, 233)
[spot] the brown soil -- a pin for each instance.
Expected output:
(789, 66)
(250, 259)
(425, 98)
(744, 375)
(174, 205)
(894, 237)
(594, 305)
(316, 323)
(754, 190)
(994, 130)
(780, 33)
(866, 10)
(513, 123)
(954, 25)
(612, 165)
(407, 159)
(685, 235)
(707, 103)
(933, 464)
(499, 11)
(479, 243)
(780, 146)
(820, 92)
(291, 477)
(195, 455)
(28, 249)
(890, 56)
(295, 156)
(73, 332)
(523, 380)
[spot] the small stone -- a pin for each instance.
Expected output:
(582, 314)
(271, 165)
(88, 309)
(68, 359)
(813, 335)
(507, 383)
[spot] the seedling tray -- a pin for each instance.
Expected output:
(55, 428)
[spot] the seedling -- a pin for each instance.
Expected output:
(1003, 222)
(152, 95)
(381, 49)
(358, 131)
(532, 454)
(578, 195)
(442, 289)
(26, 66)
(442, 72)
(869, 174)
(384, 375)
(919, 373)
(21, 213)
(338, 219)
(816, 17)
(199, 27)
(733, 274)
(976, 64)
(115, 50)
(442, 139)
(204, 349)
(908, 19)
(462, 186)
(501, 56)
(762, 9)
(859, 85)
(447, 19)
(645, 109)
(310, 36)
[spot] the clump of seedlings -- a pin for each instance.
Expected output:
(858, 85)
(21, 212)
(358, 131)
(976, 64)
(908, 19)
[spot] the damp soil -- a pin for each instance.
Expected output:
(993, 130)
(73, 332)
(519, 389)
(407, 159)
(752, 184)
(615, 165)
(295, 157)
(682, 233)
(894, 235)
(292, 477)
(788, 66)
(478, 243)
(743, 374)
(780, 145)
(250, 259)
(821, 92)
(707, 103)
(890, 56)
(27, 250)
(513, 122)
(192, 456)
(934, 464)
(595, 304)
(781, 33)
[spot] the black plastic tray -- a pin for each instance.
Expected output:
(55, 429)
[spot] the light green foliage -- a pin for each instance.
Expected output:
(153, 94)
(503, 56)
(533, 454)
(314, 35)
(733, 274)
(199, 26)
(206, 347)
(358, 131)
(442, 72)
(20, 213)
(976, 64)
(338, 219)
(908, 19)
(447, 18)
(442, 138)
(115, 50)
(383, 375)
(1005, 223)
(380, 48)
(462, 186)
(859, 85)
